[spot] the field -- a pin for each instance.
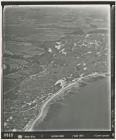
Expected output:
(42, 46)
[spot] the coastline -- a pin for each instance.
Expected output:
(45, 106)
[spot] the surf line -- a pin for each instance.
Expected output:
(76, 82)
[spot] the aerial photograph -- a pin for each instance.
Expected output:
(56, 68)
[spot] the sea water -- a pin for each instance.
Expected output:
(88, 108)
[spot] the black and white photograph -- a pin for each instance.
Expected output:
(58, 77)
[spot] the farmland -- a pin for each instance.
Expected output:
(42, 46)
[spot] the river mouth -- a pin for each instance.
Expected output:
(86, 109)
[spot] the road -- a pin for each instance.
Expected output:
(76, 82)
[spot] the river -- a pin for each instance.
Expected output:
(86, 109)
